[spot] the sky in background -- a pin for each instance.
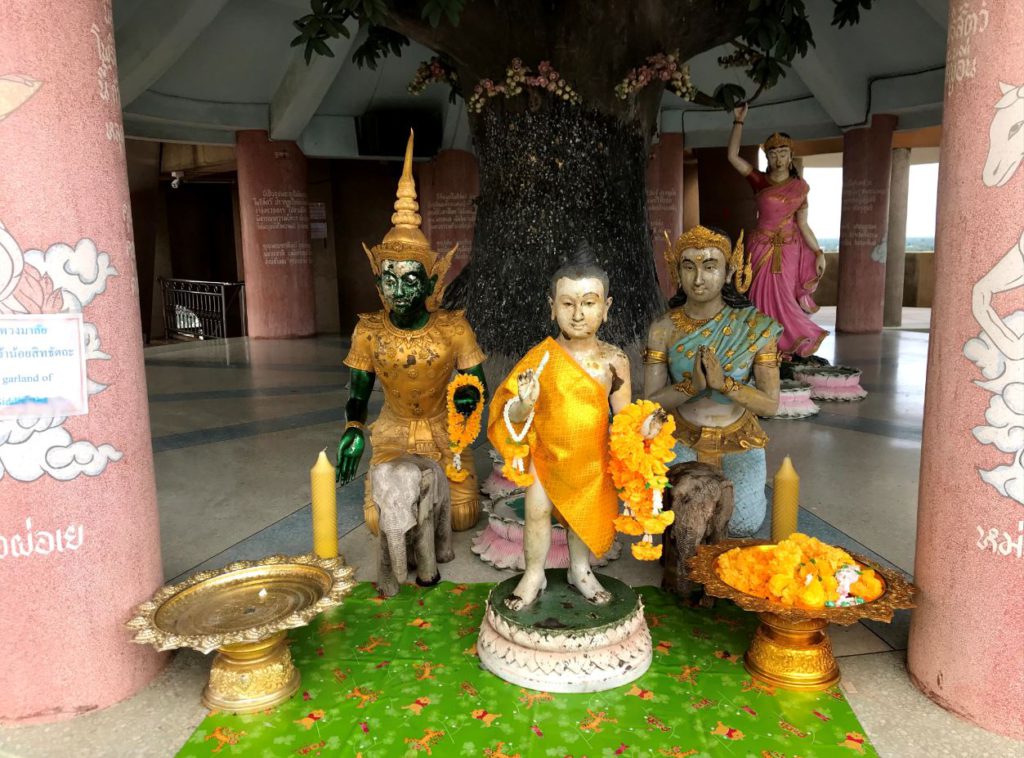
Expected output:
(825, 201)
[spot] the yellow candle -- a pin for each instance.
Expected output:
(325, 508)
(785, 501)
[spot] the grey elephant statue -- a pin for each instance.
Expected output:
(702, 499)
(414, 506)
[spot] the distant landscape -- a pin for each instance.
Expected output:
(914, 244)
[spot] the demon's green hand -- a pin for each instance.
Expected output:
(467, 397)
(350, 451)
(353, 440)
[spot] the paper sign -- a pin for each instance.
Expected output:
(42, 365)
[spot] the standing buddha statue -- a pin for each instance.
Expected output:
(413, 346)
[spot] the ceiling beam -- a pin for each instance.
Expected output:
(304, 86)
(165, 132)
(938, 10)
(330, 137)
(201, 114)
(155, 36)
(841, 93)
(804, 119)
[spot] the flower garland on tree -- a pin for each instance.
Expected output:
(660, 67)
(518, 76)
(638, 467)
(462, 429)
(434, 70)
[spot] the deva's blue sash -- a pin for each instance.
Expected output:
(735, 335)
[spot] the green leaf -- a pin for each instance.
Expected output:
(321, 47)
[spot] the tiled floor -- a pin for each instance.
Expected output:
(237, 424)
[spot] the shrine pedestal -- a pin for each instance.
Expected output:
(840, 383)
(562, 643)
(795, 400)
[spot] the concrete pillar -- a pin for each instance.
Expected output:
(896, 247)
(79, 534)
(691, 191)
(867, 155)
(279, 291)
(322, 240)
(143, 184)
(448, 187)
(966, 633)
(665, 201)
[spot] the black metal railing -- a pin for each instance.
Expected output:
(203, 310)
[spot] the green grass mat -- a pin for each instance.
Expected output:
(400, 678)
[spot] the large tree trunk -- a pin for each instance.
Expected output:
(552, 176)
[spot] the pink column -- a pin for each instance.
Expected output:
(273, 207)
(79, 534)
(867, 160)
(665, 201)
(447, 187)
(967, 633)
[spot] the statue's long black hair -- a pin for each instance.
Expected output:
(732, 296)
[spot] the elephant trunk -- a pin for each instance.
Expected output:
(396, 550)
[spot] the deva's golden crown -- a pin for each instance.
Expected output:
(776, 140)
(406, 241)
(700, 238)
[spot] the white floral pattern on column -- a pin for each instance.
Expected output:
(61, 279)
(998, 351)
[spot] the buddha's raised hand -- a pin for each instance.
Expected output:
(529, 387)
(653, 423)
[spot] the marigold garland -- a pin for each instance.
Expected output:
(799, 571)
(522, 451)
(462, 430)
(638, 467)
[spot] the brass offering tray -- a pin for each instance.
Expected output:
(243, 611)
(791, 648)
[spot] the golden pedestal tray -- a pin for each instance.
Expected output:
(791, 648)
(243, 611)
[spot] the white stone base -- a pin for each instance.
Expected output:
(571, 660)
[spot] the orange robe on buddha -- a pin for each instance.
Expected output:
(568, 442)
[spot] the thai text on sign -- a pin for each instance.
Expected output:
(42, 365)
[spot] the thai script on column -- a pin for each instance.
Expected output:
(284, 211)
(41, 542)
(1002, 542)
(452, 220)
(967, 19)
(106, 77)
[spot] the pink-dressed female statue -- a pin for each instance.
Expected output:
(787, 260)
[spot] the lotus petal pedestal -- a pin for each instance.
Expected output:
(500, 543)
(243, 611)
(795, 400)
(562, 643)
(840, 383)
